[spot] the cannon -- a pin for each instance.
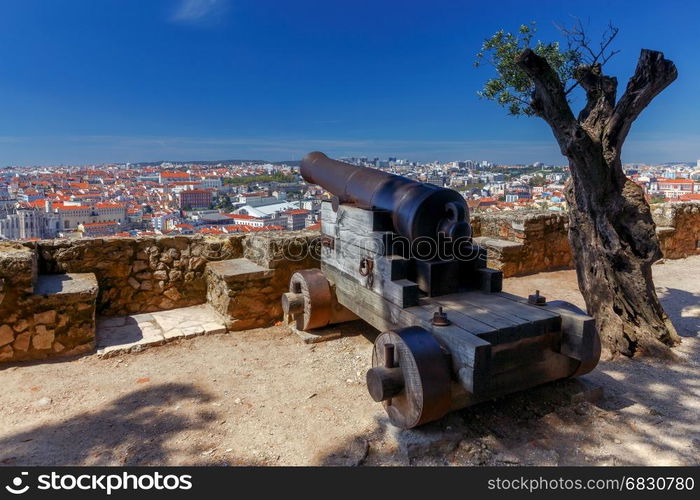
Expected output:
(399, 255)
(416, 209)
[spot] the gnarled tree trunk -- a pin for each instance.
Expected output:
(611, 231)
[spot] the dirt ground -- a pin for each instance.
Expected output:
(262, 397)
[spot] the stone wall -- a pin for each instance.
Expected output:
(524, 242)
(137, 275)
(247, 291)
(678, 227)
(51, 291)
(42, 316)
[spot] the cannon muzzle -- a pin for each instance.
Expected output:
(418, 209)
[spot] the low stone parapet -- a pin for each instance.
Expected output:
(678, 228)
(524, 241)
(57, 319)
(242, 292)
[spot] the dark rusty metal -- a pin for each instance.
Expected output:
(366, 266)
(418, 209)
(440, 318)
(536, 299)
(367, 270)
(389, 350)
(327, 241)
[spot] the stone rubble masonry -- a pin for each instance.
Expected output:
(43, 315)
(51, 290)
(141, 275)
(678, 228)
(526, 242)
(247, 291)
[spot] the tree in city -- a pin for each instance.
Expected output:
(611, 231)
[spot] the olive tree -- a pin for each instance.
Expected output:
(611, 231)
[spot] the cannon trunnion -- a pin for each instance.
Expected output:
(451, 338)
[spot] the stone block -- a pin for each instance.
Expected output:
(7, 334)
(6, 353)
(21, 343)
(42, 338)
(138, 266)
(45, 318)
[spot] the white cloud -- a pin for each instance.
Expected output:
(197, 11)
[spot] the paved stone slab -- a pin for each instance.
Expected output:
(238, 269)
(496, 243)
(187, 317)
(139, 331)
(72, 283)
(129, 337)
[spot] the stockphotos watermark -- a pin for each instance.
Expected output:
(106, 483)
(424, 248)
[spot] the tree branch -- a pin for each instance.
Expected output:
(653, 74)
(577, 41)
(548, 99)
(601, 91)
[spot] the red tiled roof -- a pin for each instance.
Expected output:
(37, 203)
(241, 216)
(109, 205)
(211, 230)
(71, 207)
(676, 181)
(174, 175)
(97, 224)
(240, 228)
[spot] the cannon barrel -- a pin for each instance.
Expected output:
(417, 209)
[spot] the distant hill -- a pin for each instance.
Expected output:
(291, 163)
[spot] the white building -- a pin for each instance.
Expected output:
(165, 221)
(266, 210)
(22, 224)
(672, 188)
(72, 215)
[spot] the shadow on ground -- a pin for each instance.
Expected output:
(131, 430)
(683, 308)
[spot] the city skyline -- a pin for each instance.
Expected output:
(215, 79)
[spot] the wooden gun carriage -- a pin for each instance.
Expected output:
(399, 255)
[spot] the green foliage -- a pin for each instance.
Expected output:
(223, 202)
(537, 180)
(251, 179)
(512, 88)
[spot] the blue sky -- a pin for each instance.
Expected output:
(92, 81)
